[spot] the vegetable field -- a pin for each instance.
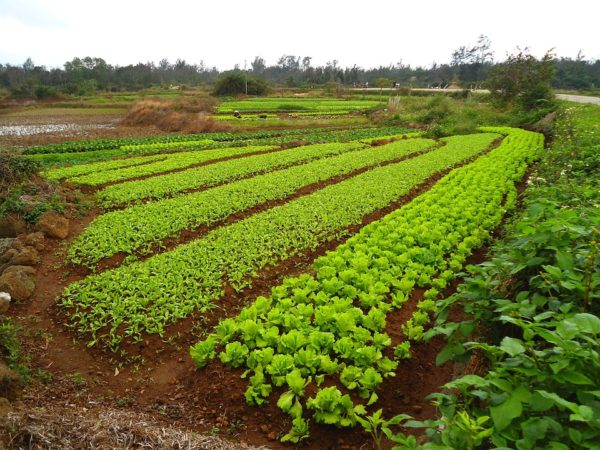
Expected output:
(297, 104)
(305, 266)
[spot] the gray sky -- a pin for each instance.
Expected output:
(225, 32)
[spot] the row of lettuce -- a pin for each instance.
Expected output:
(533, 314)
(98, 173)
(81, 152)
(307, 105)
(146, 296)
(90, 175)
(328, 327)
(141, 226)
(170, 139)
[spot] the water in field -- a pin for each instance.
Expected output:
(64, 128)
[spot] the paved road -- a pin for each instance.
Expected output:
(579, 98)
(569, 97)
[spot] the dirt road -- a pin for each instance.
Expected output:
(579, 98)
(569, 97)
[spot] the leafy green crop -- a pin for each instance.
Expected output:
(537, 299)
(322, 105)
(147, 296)
(169, 162)
(171, 184)
(341, 309)
(280, 137)
(143, 225)
(85, 169)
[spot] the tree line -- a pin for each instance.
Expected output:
(469, 68)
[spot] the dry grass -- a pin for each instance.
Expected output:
(188, 116)
(69, 429)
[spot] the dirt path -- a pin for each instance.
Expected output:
(579, 98)
(569, 97)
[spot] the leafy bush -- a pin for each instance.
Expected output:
(10, 350)
(236, 83)
(437, 109)
(14, 168)
(523, 80)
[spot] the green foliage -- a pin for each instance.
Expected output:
(298, 432)
(14, 168)
(151, 166)
(437, 109)
(523, 80)
(205, 176)
(236, 83)
(341, 311)
(78, 152)
(234, 354)
(10, 349)
(332, 408)
(377, 426)
(543, 282)
(138, 226)
(149, 295)
(305, 105)
(202, 352)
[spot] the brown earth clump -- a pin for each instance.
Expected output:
(188, 117)
(60, 427)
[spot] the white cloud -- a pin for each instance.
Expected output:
(229, 32)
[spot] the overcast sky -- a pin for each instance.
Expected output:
(225, 32)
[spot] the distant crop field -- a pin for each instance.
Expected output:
(315, 105)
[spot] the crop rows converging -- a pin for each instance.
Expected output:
(77, 170)
(172, 139)
(148, 147)
(171, 162)
(175, 183)
(145, 297)
(331, 324)
(142, 225)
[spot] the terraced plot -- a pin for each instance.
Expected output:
(176, 183)
(130, 229)
(332, 325)
(78, 153)
(147, 296)
(170, 162)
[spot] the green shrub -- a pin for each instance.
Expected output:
(236, 83)
(437, 109)
(10, 350)
(14, 168)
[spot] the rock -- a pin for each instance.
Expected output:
(35, 240)
(26, 269)
(17, 245)
(272, 436)
(4, 301)
(5, 407)
(9, 255)
(5, 244)
(53, 225)
(10, 382)
(417, 408)
(11, 226)
(18, 281)
(26, 257)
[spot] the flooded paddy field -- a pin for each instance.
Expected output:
(26, 126)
